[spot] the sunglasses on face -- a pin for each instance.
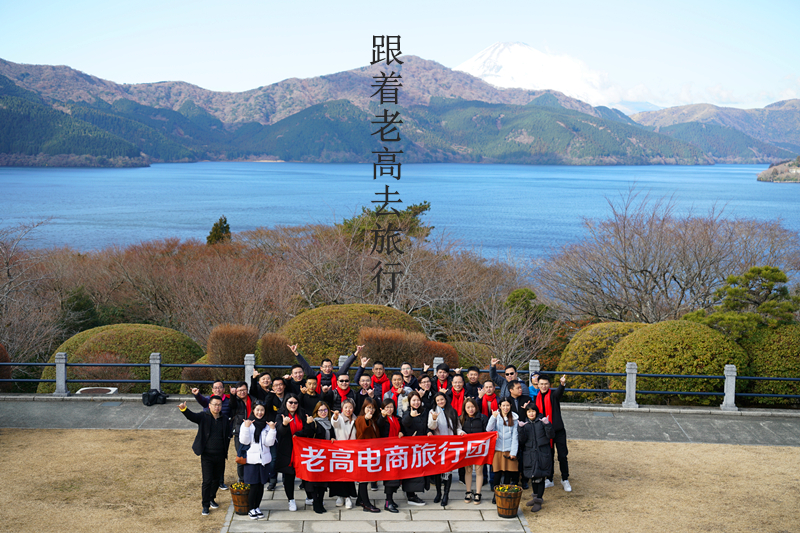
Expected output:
(510, 373)
(291, 403)
(343, 380)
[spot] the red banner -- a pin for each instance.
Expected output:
(389, 458)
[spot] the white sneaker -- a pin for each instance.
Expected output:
(292, 505)
(348, 503)
(339, 501)
(253, 514)
(548, 484)
(309, 501)
(567, 486)
(259, 513)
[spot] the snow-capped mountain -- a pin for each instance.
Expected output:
(518, 65)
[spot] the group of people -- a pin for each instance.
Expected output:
(264, 418)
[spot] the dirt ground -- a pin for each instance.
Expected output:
(121, 481)
(651, 487)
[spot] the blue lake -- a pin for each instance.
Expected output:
(524, 209)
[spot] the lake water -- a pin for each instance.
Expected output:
(524, 209)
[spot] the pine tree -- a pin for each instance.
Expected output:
(220, 232)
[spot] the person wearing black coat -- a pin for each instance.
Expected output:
(537, 462)
(415, 424)
(473, 421)
(427, 392)
(211, 444)
(548, 401)
(519, 401)
(290, 421)
(339, 391)
(320, 423)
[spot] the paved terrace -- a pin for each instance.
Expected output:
(765, 427)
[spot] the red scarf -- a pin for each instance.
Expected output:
(492, 404)
(379, 381)
(458, 401)
(394, 426)
(545, 408)
(248, 408)
(296, 424)
(319, 383)
(440, 385)
(396, 395)
(342, 392)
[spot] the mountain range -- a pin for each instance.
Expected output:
(448, 116)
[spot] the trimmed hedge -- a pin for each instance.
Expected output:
(677, 347)
(774, 353)
(333, 330)
(130, 343)
(588, 351)
(273, 349)
(227, 345)
(5, 371)
(195, 375)
(431, 349)
(392, 346)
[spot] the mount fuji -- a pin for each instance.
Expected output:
(518, 65)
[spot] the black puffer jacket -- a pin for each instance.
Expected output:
(415, 426)
(534, 441)
(475, 424)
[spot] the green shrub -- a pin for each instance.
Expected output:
(676, 347)
(129, 343)
(774, 353)
(227, 345)
(273, 349)
(550, 356)
(5, 371)
(333, 330)
(588, 351)
(393, 346)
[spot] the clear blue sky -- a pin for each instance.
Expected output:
(735, 53)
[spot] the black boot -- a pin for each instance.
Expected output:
(438, 482)
(446, 496)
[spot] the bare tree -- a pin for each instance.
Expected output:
(646, 264)
(29, 310)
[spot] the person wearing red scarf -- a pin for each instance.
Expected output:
(489, 402)
(390, 427)
(290, 421)
(398, 394)
(380, 381)
(443, 380)
(339, 391)
(457, 394)
(548, 402)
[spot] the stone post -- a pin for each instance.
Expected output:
(729, 402)
(630, 386)
(436, 362)
(533, 368)
(249, 365)
(155, 371)
(61, 375)
(343, 360)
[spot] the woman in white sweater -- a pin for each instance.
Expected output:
(259, 434)
(344, 428)
(443, 420)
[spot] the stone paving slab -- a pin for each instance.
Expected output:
(304, 515)
(510, 525)
(343, 526)
(446, 515)
(264, 526)
(430, 526)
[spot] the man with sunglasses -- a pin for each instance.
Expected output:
(340, 389)
(503, 385)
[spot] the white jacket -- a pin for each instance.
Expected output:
(258, 453)
(439, 426)
(342, 429)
